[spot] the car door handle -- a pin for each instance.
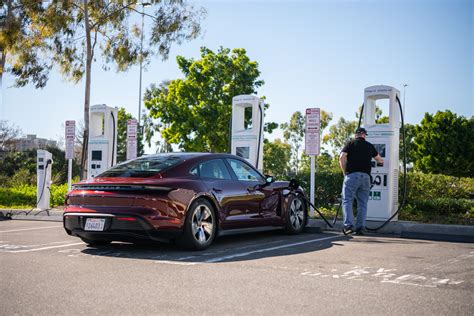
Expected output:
(217, 190)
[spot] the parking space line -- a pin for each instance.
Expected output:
(179, 263)
(26, 229)
(46, 248)
(244, 254)
(5, 245)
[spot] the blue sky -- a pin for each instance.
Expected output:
(310, 53)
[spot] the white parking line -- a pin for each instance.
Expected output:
(244, 254)
(26, 229)
(5, 245)
(46, 248)
(179, 263)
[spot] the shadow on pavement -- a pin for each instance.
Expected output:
(250, 246)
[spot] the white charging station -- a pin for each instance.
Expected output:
(102, 152)
(383, 198)
(44, 163)
(247, 129)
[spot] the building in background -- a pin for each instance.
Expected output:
(32, 142)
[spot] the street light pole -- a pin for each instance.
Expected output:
(141, 63)
(404, 95)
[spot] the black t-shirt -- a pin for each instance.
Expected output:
(359, 155)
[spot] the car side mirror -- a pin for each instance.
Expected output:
(269, 179)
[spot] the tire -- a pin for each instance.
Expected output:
(200, 226)
(296, 215)
(95, 242)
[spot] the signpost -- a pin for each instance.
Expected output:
(312, 145)
(70, 131)
(132, 126)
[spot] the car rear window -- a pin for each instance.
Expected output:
(142, 167)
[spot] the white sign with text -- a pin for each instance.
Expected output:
(312, 131)
(132, 128)
(70, 135)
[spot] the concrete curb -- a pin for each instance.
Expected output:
(416, 230)
(53, 215)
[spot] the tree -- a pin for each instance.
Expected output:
(195, 112)
(20, 167)
(339, 134)
(294, 132)
(324, 163)
(378, 115)
(443, 144)
(410, 132)
(60, 166)
(276, 158)
(37, 35)
(151, 125)
(8, 134)
(122, 119)
(326, 117)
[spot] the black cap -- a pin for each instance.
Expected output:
(361, 130)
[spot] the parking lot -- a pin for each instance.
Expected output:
(45, 271)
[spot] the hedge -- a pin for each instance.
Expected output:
(429, 196)
(25, 195)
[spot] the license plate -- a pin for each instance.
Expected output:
(95, 224)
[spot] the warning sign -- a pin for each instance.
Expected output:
(132, 127)
(70, 134)
(312, 130)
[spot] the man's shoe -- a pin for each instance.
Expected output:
(348, 230)
(360, 231)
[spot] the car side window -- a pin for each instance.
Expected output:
(194, 171)
(244, 172)
(212, 169)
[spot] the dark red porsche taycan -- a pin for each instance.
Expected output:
(187, 197)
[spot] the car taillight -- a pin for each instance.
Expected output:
(130, 219)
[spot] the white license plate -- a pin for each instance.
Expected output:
(95, 224)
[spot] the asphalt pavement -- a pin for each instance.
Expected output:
(44, 271)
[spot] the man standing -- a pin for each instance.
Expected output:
(355, 161)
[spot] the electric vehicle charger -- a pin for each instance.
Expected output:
(9, 214)
(293, 186)
(402, 204)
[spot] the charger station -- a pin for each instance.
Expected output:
(44, 163)
(247, 129)
(383, 197)
(102, 152)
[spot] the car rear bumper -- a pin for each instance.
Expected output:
(117, 227)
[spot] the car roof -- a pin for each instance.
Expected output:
(188, 155)
(188, 160)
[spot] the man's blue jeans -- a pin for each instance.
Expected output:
(356, 185)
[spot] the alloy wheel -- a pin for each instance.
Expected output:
(202, 223)
(296, 213)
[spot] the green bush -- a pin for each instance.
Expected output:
(430, 197)
(444, 206)
(58, 194)
(25, 195)
(328, 186)
(443, 210)
(423, 186)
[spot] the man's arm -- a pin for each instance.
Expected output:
(343, 161)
